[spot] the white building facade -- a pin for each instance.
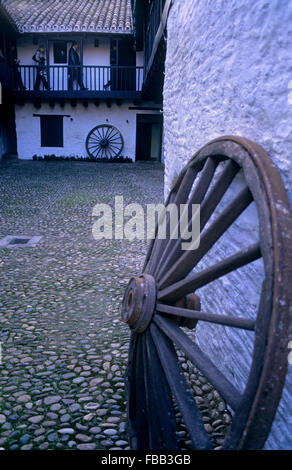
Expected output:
(111, 72)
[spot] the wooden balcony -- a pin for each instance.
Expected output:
(85, 82)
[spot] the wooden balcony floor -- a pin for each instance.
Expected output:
(77, 94)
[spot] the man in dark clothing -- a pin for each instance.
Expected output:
(74, 69)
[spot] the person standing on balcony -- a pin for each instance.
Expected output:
(74, 72)
(40, 58)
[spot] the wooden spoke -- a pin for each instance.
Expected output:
(150, 253)
(200, 360)
(186, 186)
(190, 258)
(155, 436)
(98, 133)
(200, 279)
(179, 198)
(201, 187)
(131, 391)
(195, 198)
(94, 138)
(180, 390)
(94, 147)
(159, 399)
(243, 323)
(142, 422)
(108, 131)
(208, 206)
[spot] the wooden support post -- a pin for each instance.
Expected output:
(48, 60)
(81, 59)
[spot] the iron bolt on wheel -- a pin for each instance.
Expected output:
(160, 303)
(104, 142)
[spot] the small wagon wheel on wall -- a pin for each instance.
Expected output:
(104, 142)
(160, 303)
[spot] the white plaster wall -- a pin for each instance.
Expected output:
(25, 50)
(96, 55)
(228, 66)
(76, 127)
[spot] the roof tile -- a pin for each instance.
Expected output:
(112, 16)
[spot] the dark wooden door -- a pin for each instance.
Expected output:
(122, 55)
(143, 140)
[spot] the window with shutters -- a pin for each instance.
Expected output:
(52, 131)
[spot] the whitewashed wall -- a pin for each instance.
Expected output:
(76, 127)
(228, 66)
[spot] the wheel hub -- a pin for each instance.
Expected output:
(104, 143)
(139, 302)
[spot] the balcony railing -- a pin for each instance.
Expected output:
(63, 78)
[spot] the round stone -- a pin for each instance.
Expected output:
(24, 439)
(113, 420)
(52, 437)
(66, 431)
(65, 418)
(221, 406)
(2, 419)
(36, 419)
(55, 407)
(51, 400)
(208, 427)
(110, 432)
(121, 443)
(217, 423)
(23, 399)
(95, 430)
(74, 407)
(83, 438)
(88, 446)
(95, 381)
(78, 380)
(44, 446)
(91, 406)
(26, 447)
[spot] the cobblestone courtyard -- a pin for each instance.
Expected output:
(64, 349)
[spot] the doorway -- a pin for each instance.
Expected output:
(148, 137)
(123, 63)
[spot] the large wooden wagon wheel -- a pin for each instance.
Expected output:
(161, 302)
(104, 142)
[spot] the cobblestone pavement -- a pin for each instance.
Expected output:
(64, 349)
